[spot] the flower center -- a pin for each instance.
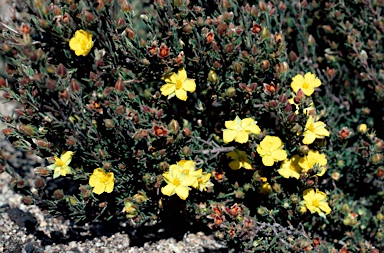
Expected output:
(178, 84)
(311, 127)
(315, 202)
(305, 85)
(176, 181)
(59, 162)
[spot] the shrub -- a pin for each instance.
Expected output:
(146, 110)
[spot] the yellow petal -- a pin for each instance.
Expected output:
(286, 173)
(67, 157)
(171, 79)
(74, 44)
(247, 122)
(182, 74)
(309, 137)
(189, 85)
(309, 195)
(325, 207)
(279, 155)
(247, 165)
(168, 189)
(109, 187)
(99, 189)
(235, 165)
(57, 172)
(93, 180)
(261, 151)
(231, 124)
(322, 132)
(68, 170)
(188, 181)
(167, 89)
(181, 94)
(268, 160)
(232, 155)
(242, 137)
(297, 82)
(182, 192)
(229, 135)
(308, 91)
(253, 129)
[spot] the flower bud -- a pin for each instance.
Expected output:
(27, 129)
(230, 92)
(186, 151)
(377, 158)
(264, 65)
(3, 83)
(237, 68)
(292, 56)
(61, 71)
(42, 171)
(187, 132)
(295, 199)
(27, 200)
(187, 27)
(288, 107)
(229, 48)
(75, 86)
(119, 86)
(262, 6)
(222, 29)
(109, 123)
(362, 129)
(58, 194)
(239, 194)
(212, 76)
(335, 175)
(39, 183)
(283, 98)
(304, 149)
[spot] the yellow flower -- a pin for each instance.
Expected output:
(311, 159)
(239, 129)
(290, 168)
(240, 160)
(314, 130)
(204, 182)
(316, 202)
(188, 168)
(60, 167)
(101, 181)
(81, 43)
(306, 83)
(178, 84)
(177, 182)
(271, 149)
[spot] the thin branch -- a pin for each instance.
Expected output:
(9, 28)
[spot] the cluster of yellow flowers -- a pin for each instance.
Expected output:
(296, 165)
(183, 175)
(271, 148)
(313, 129)
(99, 180)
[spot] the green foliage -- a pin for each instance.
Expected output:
(108, 109)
